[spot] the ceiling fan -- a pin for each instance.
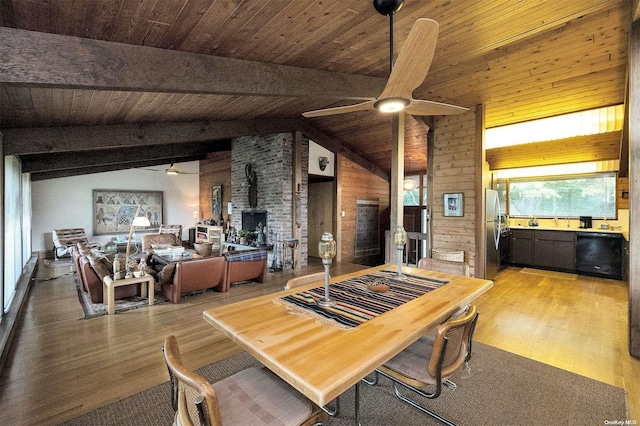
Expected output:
(409, 72)
(173, 170)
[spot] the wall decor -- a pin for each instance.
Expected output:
(216, 202)
(113, 210)
(453, 204)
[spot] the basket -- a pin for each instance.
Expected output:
(203, 249)
(447, 254)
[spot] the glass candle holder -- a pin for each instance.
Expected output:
(327, 251)
(400, 239)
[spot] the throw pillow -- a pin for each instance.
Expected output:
(165, 276)
(98, 266)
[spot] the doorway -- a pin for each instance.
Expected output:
(320, 214)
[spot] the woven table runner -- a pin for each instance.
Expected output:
(355, 303)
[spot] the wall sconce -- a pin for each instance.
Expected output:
(322, 162)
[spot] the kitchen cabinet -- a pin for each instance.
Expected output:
(554, 249)
(522, 246)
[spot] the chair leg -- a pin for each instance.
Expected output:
(336, 409)
(450, 384)
(418, 406)
(371, 382)
(420, 392)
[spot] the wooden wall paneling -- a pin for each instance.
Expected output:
(215, 170)
(355, 182)
(599, 147)
(623, 185)
(457, 233)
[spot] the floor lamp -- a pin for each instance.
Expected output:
(137, 221)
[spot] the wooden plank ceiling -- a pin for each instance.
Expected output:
(175, 72)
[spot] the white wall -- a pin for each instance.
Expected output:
(316, 151)
(67, 202)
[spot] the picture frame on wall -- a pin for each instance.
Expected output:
(113, 210)
(216, 202)
(454, 204)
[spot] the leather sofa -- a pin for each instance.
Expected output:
(90, 270)
(150, 240)
(245, 265)
(216, 272)
(187, 276)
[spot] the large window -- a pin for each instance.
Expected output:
(565, 196)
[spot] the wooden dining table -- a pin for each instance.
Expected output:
(322, 359)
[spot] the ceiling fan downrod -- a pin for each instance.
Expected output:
(389, 8)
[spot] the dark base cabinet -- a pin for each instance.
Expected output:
(590, 253)
(522, 247)
(554, 249)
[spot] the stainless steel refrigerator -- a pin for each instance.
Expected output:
(492, 234)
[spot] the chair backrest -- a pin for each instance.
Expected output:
(446, 266)
(192, 396)
(305, 279)
(172, 229)
(452, 343)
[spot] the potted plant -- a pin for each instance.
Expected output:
(243, 236)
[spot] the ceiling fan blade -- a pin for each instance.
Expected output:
(414, 60)
(420, 107)
(340, 110)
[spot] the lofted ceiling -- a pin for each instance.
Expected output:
(90, 76)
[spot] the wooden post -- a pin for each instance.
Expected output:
(397, 176)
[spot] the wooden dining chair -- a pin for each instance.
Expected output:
(446, 266)
(430, 361)
(254, 396)
(304, 279)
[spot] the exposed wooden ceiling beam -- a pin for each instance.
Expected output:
(43, 59)
(123, 156)
(60, 140)
(54, 174)
(23, 141)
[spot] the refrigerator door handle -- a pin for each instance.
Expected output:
(496, 219)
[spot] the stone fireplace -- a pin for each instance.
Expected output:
(271, 158)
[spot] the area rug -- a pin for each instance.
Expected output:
(500, 388)
(92, 310)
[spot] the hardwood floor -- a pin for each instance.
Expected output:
(62, 366)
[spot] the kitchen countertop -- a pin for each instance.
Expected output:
(559, 228)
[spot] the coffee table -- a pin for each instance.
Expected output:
(109, 289)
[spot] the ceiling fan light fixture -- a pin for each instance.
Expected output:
(391, 105)
(172, 170)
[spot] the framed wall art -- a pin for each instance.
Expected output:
(454, 204)
(113, 210)
(216, 202)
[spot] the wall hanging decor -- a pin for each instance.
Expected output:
(113, 210)
(453, 204)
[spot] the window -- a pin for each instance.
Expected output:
(566, 196)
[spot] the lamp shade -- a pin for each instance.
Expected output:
(140, 221)
(409, 184)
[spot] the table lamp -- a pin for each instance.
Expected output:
(137, 221)
(400, 239)
(327, 251)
